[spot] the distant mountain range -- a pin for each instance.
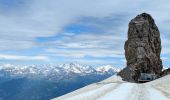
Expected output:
(43, 82)
(52, 71)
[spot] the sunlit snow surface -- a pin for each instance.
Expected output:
(114, 88)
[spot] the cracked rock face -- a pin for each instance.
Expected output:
(142, 49)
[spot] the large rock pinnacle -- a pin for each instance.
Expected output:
(142, 49)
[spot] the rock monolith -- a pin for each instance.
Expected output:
(142, 49)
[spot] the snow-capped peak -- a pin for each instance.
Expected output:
(107, 68)
(52, 70)
(76, 68)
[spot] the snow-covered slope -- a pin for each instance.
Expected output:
(114, 88)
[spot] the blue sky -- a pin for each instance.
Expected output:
(90, 32)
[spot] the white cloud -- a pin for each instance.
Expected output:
(88, 41)
(165, 41)
(23, 58)
(20, 26)
(97, 62)
(42, 18)
(84, 52)
(6, 44)
(82, 45)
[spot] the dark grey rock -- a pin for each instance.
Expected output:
(142, 49)
(166, 72)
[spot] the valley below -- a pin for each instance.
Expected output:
(44, 82)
